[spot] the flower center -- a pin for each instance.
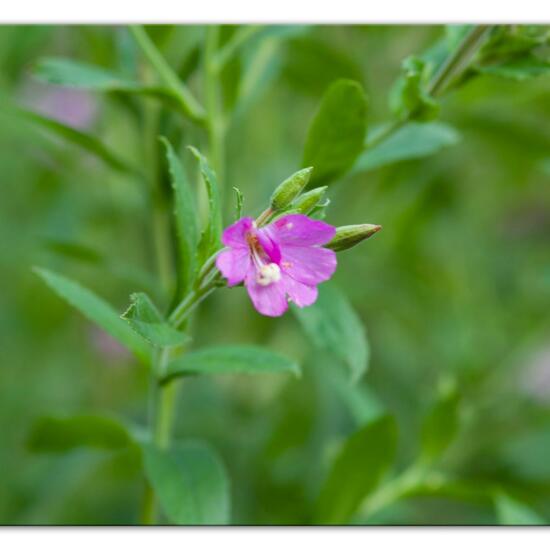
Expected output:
(268, 274)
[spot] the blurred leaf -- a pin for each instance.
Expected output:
(262, 62)
(210, 238)
(259, 71)
(230, 360)
(76, 74)
(440, 425)
(519, 69)
(414, 140)
(409, 98)
(146, 320)
(357, 470)
(513, 512)
(512, 41)
(58, 435)
(333, 326)
(304, 56)
(97, 310)
(74, 251)
(336, 135)
(89, 143)
(190, 482)
(186, 214)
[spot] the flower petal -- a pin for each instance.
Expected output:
(235, 235)
(270, 247)
(268, 300)
(309, 265)
(299, 230)
(302, 295)
(234, 264)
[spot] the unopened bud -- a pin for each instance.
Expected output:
(305, 203)
(287, 191)
(350, 235)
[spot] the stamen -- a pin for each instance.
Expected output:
(268, 274)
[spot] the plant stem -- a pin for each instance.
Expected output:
(215, 118)
(169, 78)
(238, 39)
(458, 60)
(160, 421)
(451, 67)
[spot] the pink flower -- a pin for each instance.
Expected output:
(280, 262)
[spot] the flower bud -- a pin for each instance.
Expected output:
(350, 235)
(290, 189)
(305, 203)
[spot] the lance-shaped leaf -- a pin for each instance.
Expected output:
(357, 470)
(97, 310)
(58, 435)
(231, 360)
(185, 213)
(412, 141)
(146, 320)
(440, 425)
(333, 326)
(210, 238)
(85, 141)
(512, 512)
(336, 135)
(76, 74)
(190, 482)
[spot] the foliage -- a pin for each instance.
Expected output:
(134, 391)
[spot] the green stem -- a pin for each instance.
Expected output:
(238, 39)
(451, 67)
(215, 123)
(160, 421)
(413, 478)
(169, 78)
(458, 60)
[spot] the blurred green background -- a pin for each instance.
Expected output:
(454, 290)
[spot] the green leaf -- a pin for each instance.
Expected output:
(190, 482)
(440, 425)
(85, 141)
(357, 470)
(58, 435)
(304, 56)
(185, 214)
(230, 360)
(97, 310)
(210, 239)
(146, 320)
(513, 512)
(409, 98)
(412, 141)
(333, 326)
(336, 135)
(523, 68)
(76, 74)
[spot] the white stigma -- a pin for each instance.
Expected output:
(268, 274)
